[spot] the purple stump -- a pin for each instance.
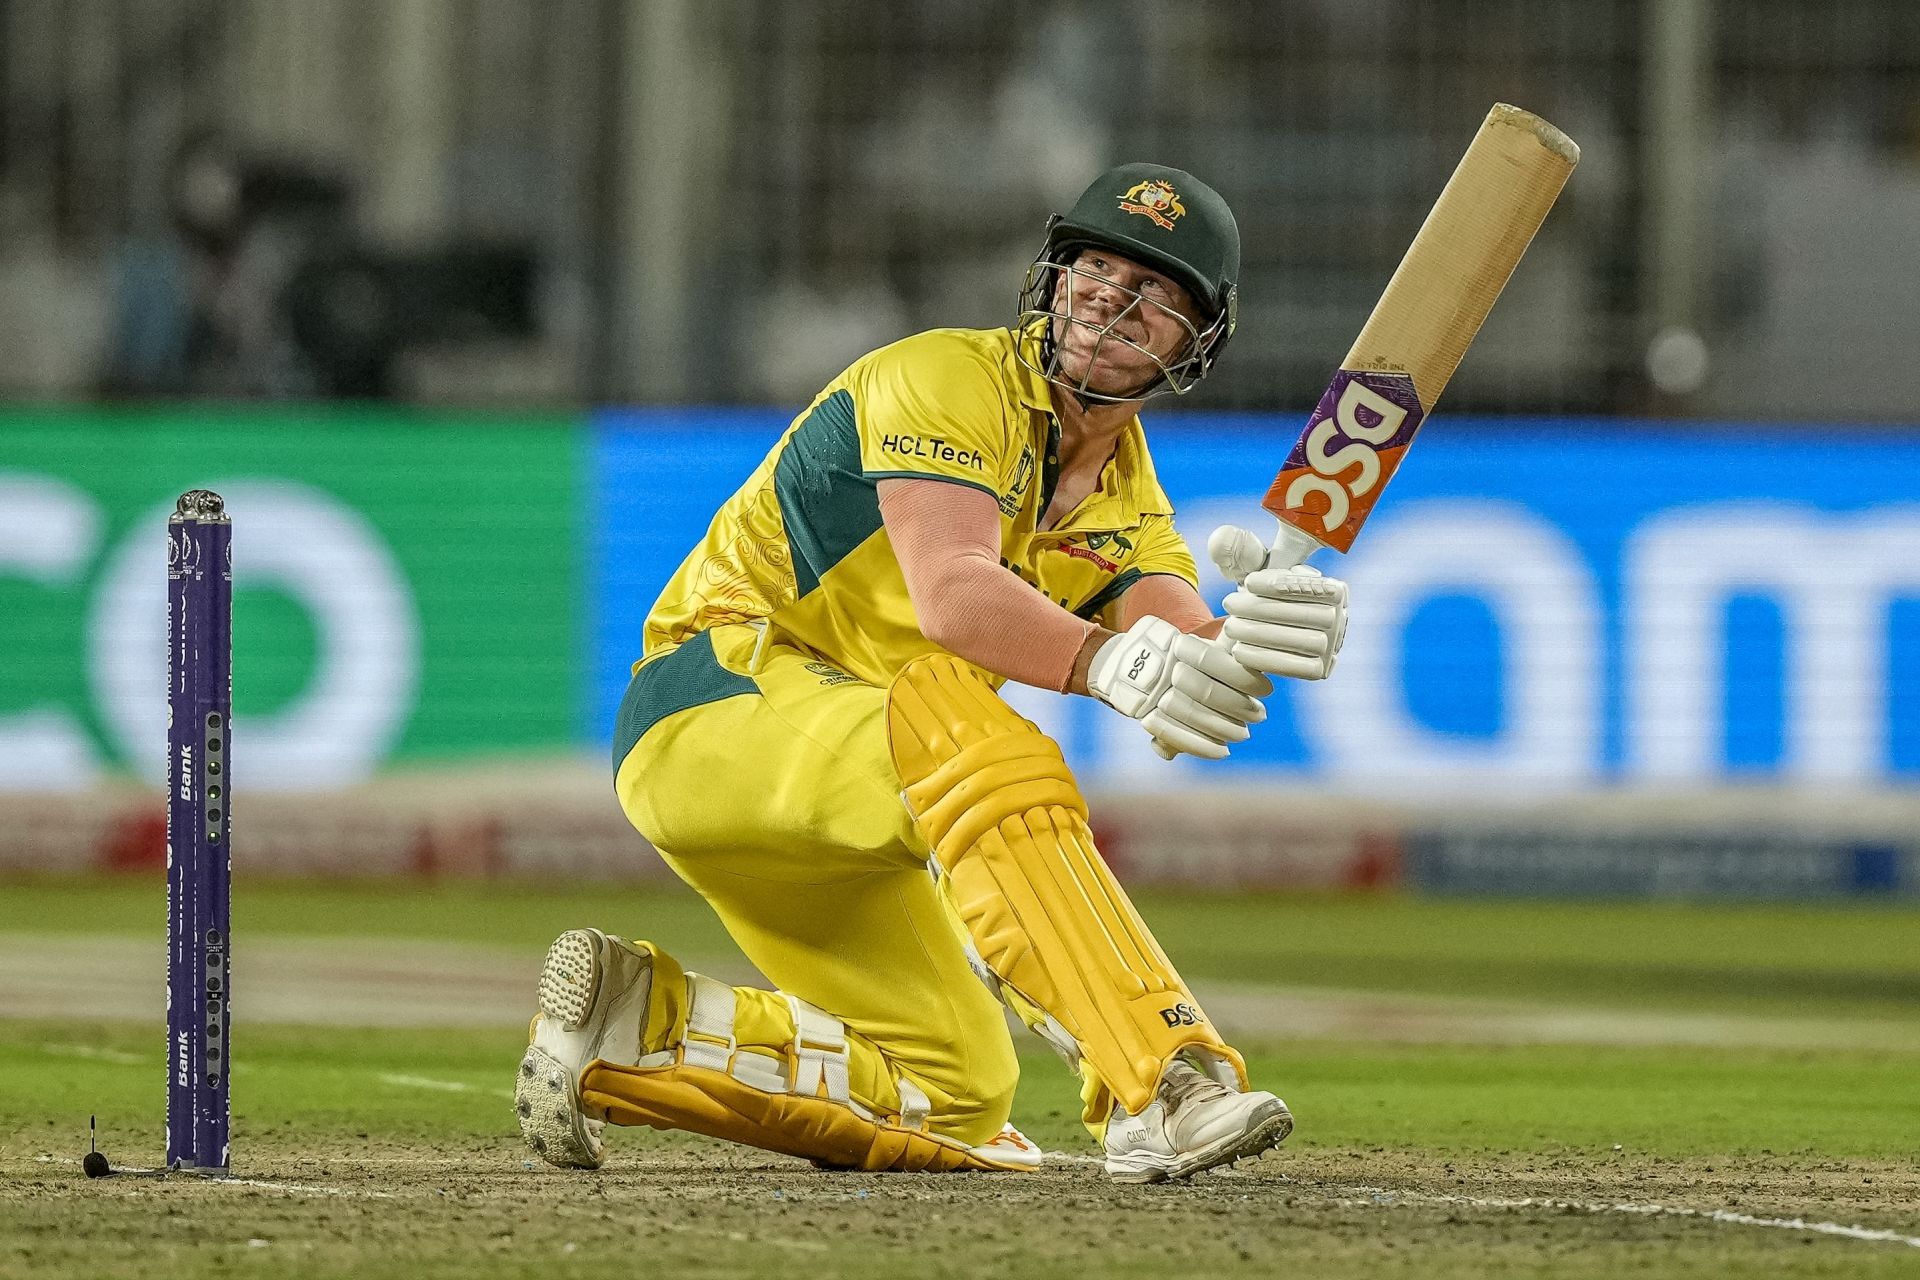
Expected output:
(199, 867)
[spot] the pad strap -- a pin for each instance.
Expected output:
(914, 1106)
(819, 1052)
(710, 1014)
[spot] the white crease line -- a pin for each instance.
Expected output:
(1378, 1196)
(198, 1180)
(1386, 1196)
(297, 1187)
(441, 1086)
(116, 1056)
(666, 1224)
(119, 1168)
(119, 1057)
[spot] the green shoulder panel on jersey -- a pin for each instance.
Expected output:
(690, 676)
(1108, 594)
(827, 504)
(877, 476)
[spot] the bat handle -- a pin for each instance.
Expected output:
(1291, 547)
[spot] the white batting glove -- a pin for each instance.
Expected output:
(1286, 621)
(1189, 694)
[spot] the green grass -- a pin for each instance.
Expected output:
(1830, 961)
(1450, 1099)
(368, 1173)
(404, 1161)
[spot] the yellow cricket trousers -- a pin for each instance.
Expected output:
(767, 785)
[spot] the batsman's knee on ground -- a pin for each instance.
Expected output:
(819, 875)
(771, 1071)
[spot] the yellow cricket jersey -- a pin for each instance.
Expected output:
(801, 543)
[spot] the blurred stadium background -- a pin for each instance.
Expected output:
(474, 309)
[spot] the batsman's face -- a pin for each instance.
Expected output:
(1119, 322)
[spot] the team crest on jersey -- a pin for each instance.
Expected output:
(1096, 543)
(1154, 199)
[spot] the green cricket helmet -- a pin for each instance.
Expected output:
(1160, 217)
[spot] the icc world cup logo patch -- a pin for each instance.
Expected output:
(1154, 199)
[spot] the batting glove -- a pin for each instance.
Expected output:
(1285, 621)
(1186, 692)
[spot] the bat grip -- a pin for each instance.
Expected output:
(1291, 547)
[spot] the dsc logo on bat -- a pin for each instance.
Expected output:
(1346, 455)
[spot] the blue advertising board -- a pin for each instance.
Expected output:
(1536, 605)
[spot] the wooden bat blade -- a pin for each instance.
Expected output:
(1423, 324)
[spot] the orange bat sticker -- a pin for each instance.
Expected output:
(1350, 449)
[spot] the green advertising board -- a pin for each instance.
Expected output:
(408, 586)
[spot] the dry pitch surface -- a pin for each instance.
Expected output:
(1486, 1091)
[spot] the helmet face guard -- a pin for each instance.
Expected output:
(1052, 276)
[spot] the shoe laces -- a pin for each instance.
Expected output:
(1183, 1083)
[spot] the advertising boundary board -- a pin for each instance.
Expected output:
(408, 586)
(1540, 606)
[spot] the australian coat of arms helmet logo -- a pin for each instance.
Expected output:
(1154, 199)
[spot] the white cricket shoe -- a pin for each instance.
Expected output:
(1014, 1149)
(1193, 1123)
(593, 997)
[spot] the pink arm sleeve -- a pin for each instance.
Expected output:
(947, 539)
(1166, 596)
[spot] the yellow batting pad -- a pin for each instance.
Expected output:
(714, 1103)
(997, 804)
(772, 1071)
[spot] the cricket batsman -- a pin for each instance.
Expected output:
(814, 727)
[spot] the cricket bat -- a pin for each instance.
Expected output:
(1421, 327)
(1435, 303)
